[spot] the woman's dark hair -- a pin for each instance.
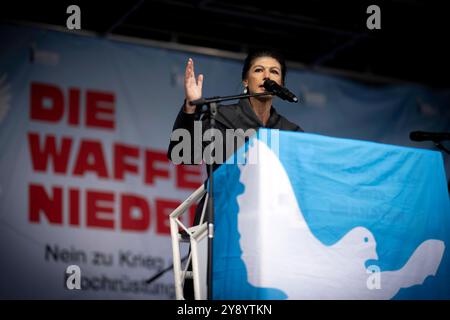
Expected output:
(254, 54)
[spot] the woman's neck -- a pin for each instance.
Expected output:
(261, 108)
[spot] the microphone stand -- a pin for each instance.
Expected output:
(211, 109)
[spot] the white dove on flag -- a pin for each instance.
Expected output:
(280, 251)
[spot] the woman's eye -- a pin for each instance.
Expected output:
(258, 70)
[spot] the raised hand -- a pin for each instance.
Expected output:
(192, 86)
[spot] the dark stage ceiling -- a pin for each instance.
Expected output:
(411, 45)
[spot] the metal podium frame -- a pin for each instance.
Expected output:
(198, 243)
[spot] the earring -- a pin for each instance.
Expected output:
(245, 90)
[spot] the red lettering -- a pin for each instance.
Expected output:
(188, 176)
(121, 153)
(151, 172)
(47, 102)
(134, 210)
(100, 109)
(130, 204)
(74, 207)
(163, 209)
(51, 206)
(74, 107)
(40, 156)
(94, 209)
(93, 150)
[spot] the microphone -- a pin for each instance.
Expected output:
(279, 91)
(429, 136)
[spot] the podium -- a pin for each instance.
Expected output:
(304, 216)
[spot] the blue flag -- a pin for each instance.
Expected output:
(314, 217)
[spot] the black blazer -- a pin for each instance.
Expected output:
(235, 116)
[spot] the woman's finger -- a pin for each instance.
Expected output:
(200, 82)
(189, 73)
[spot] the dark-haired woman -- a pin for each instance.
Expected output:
(250, 113)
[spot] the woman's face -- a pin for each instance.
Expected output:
(262, 68)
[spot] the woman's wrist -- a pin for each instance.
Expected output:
(188, 108)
